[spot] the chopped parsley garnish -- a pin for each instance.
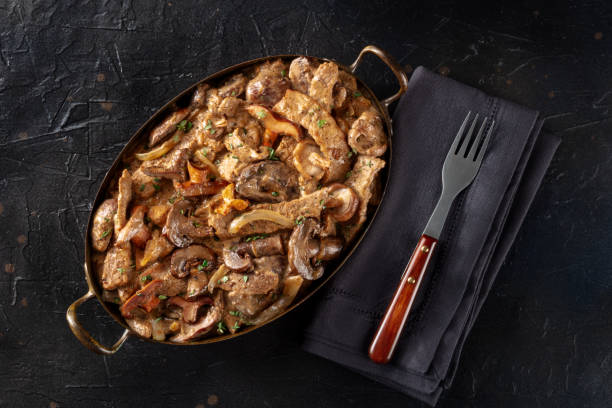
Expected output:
(146, 277)
(223, 279)
(245, 278)
(321, 122)
(121, 270)
(357, 94)
(162, 297)
(185, 126)
(351, 153)
(205, 152)
(261, 114)
(348, 174)
(117, 300)
(322, 202)
(203, 265)
(217, 162)
(255, 237)
(272, 155)
(106, 219)
(299, 220)
(142, 187)
(156, 179)
(274, 194)
(158, 319)
(105, 233)
(283, 73)
(175, 138)
(240, 145)
(233, 93)
(369, 163)
(196, 224)
(157, 187)
(172, 199)
(236, 326)
(234, 157)
(182, 211)
(208, 125)
(234, 312)
(319, 186)
(221, 328)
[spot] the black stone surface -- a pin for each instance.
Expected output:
(78, 78)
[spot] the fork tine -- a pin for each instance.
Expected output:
(468, 138)
(483, 149)
(455, 145)
(478, 140)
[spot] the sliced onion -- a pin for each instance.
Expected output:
(259, 215)
(205, 161)
(219, 273)
(159, 151)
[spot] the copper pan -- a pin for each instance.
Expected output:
(95, 290)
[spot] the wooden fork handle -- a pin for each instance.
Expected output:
(390, 328)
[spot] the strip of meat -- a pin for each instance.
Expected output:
(269, 84)
(167, 126)
(102, 228)
(322, 85)
(123, 200)
(117, 270)
(304, 110)
(171, 166)
(361, 180)
(135, 229)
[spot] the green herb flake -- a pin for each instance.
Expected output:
(117, 300)
(121, 270)
(322, 203)
(234, 313)
(196, 224)
(261, 114)
(272, 155)
(205, 152)
(321, 122)
(203, 265)
(185, 126)
(105, 233)
(182, 211)
(299, 220)
(357, 94)
(176, 138)
(171, 200)
(236, 326)
(369, 163)
(274, 194)
(208, 125)
(234, 157)
(348, 174)
(106, 219)
(162, 297)
(223, 279)
(245, 278)
(146, 277)
(221, 328)
(283, 73)
(212, 131)
(157, 187)
(142, 187)
(158, 319)
(233, 93)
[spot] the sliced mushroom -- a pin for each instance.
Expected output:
(303, 247)
(343, 202)
(102, 228)
(367, 135)
(238, 257)
(182, 228)
(192, 259)
(167, 126)
(204, 325)
(171, 166)
(300, 74)
(309, 161)
(329, 248)
(268, 181)
(190, 309)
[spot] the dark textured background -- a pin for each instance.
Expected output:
(78, 78)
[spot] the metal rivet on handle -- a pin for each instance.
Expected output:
(425, 248)
(411, 280)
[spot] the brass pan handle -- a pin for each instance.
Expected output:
(82, 334)
(393, 66)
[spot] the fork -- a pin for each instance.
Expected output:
(459, 170)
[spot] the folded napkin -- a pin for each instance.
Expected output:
(479, 231)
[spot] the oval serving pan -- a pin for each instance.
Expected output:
(140, 135)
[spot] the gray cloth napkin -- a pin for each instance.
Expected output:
(479, 231)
